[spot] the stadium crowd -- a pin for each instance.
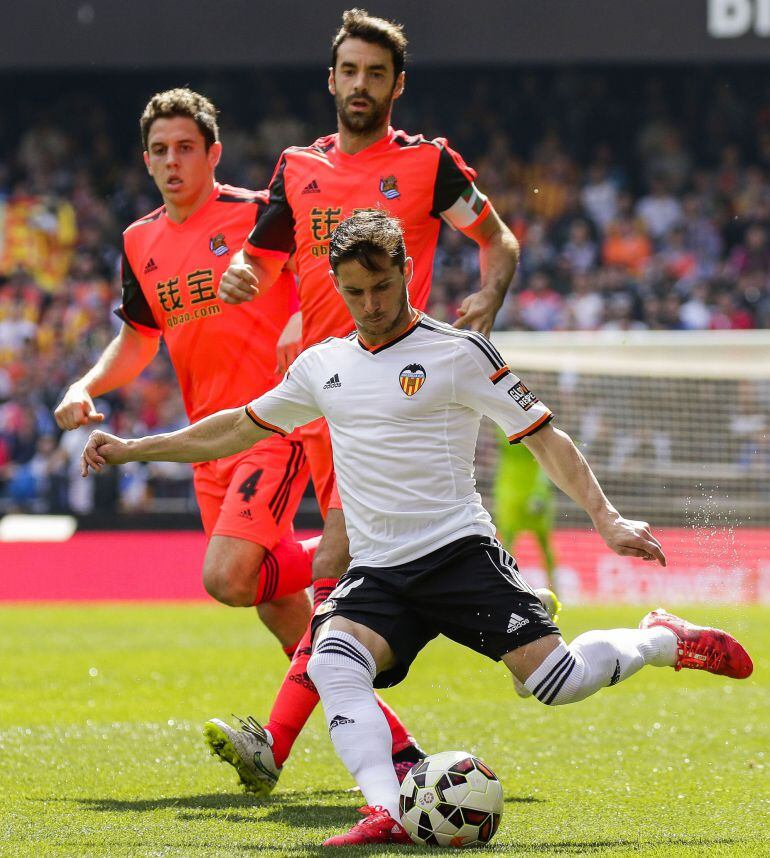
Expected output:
(641, 200)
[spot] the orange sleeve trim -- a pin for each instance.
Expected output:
(546, 418)
(496, 376)
(263, 424)
(253, 250)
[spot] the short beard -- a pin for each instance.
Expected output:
(362, 124)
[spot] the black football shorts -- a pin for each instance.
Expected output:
(469, 591)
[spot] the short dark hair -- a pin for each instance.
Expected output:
(359, 24)
(181, 102)
(367, 236)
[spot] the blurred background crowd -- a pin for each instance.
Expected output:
(641, 199)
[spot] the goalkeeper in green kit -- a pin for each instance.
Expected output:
(524, 502)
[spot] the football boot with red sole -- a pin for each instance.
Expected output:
(703, 648)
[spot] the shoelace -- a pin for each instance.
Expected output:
(251, 725)
(369, 812)
(702, 658)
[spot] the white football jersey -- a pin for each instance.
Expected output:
(404, 417)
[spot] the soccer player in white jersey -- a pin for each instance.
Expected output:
(403, 396)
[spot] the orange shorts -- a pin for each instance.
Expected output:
(318, 449)
(253, 495)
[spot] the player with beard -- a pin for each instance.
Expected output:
(366, 163)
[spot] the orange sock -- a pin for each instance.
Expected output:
(297, 696)
(286, 569)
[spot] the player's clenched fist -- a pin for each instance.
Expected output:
(238, 283)
(103, 449)
(76, 409)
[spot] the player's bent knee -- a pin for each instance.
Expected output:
(230, 585)
(340, 661)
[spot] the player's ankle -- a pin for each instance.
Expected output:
(281, 741)
(409, 753)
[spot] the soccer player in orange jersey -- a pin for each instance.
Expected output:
(366, 163)
(223, 354)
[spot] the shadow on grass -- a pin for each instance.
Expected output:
(282, 803)
(595, 846)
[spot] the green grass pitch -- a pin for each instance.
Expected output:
(101, 709)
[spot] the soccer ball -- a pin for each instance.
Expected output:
(451, 799)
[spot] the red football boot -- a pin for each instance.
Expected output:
(702, 648)
(378, 826)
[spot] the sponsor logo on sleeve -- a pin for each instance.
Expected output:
(522, 395)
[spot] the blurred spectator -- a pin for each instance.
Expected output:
(580, 253)
(600, 195)
(584, 307)
(660, 210)
(695, 313)
(753, 255)
(541, 308)
(626, 245)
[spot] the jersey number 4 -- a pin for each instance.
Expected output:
(248, 488)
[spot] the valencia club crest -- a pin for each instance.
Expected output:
(389, 188)
(218, 245)
(412, 378)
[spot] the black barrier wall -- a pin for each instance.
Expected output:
(45, 34)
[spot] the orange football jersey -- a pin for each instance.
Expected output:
(224, 355)
(315, 187)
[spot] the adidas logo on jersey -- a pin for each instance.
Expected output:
(334, 381)
(516, 622)
(151, 266)
(615, 674)
(339, 720)
(245, 513)
(311, 188)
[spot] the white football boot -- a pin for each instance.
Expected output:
(552, 607)
(248, 751)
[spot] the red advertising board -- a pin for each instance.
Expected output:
(704, 565)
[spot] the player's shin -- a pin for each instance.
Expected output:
(343, 670)
(596, 660)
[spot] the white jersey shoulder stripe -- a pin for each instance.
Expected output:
(480, 341)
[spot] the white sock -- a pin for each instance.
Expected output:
(343, 671)
(597, 659)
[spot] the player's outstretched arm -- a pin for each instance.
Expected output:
(498, 258)
(248, 276)
(219, 435)
(568, 469)
(122, 361)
